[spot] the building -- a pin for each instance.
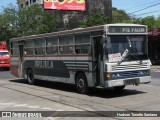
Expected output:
(72, 19)
(25, 3)
(154, 45)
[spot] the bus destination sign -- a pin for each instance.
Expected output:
(126, 29)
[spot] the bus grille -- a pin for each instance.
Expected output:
(117, 68)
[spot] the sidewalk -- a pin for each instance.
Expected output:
(155, 68)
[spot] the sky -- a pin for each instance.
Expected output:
(136, 8)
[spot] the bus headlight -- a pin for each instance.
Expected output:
(144, 72)
(116, 75)
(108, 75)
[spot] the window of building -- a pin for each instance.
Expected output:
(27, 3)
(21, 6)
(34, 1)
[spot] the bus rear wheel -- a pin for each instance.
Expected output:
(30, 77)
(81, 83)
(119, 88)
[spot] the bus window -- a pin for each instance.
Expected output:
(82, 49)
(28, 47)
(39, 46)
(39, 51)
(65, 40)
(66, 49)
(82, 44)
(40, 42)
(83, 38)
(14, 49)
(29, 43)
(28, 51)
(52, 50)
(51, 41)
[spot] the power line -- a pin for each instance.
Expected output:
(145, 8)
(130, 8)
(147, 13)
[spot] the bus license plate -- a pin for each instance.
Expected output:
(131, 81)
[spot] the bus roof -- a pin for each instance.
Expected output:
(73, 31)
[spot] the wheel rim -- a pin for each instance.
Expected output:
(81, 84)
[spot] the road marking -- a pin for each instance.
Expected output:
(34, 107)
(20, 105)
(51, 118)
(47, 108)
(7, 103)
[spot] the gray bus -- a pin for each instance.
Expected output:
(111, 55)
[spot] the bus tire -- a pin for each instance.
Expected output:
(30, 77)
(81, 83)
(119, 88)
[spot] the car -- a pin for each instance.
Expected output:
(4, 59)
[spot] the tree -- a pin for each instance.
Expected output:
(28, 21)
(34, 20)
(149, 21)
(120, 16)
(8, 22)
(95, 19)
(157, 22)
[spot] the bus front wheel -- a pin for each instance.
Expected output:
(81, 83)
(30, 77)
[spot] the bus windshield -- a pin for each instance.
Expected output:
(136, 45)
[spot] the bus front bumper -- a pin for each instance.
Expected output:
(128, 81)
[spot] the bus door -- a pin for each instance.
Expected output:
(21, 58)
(97, 59)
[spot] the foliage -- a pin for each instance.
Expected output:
(95, 19)
(8, 22)
(120, 16)
(38, 21)
(28, 21)
(149, 21)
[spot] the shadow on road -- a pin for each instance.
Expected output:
(94, 92)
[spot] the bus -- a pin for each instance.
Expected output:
(105, 56)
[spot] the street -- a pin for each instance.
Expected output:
(17, 95)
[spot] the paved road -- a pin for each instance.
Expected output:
(16, 94)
